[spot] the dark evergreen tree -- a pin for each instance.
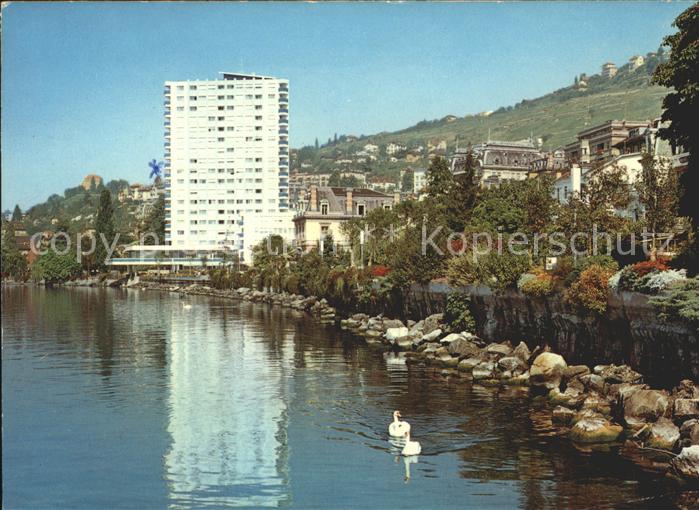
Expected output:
(104, 227)
(17, 213)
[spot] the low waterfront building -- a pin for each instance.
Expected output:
(498, 161)
(329, 207)
(552, 163)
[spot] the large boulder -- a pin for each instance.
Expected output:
(572, 397)
(686, 408)
(562, 415)
(393, 323)
(499, 350)
(468, 364)
(689, 433)
(522, 352)
(595, 429)
(686, 464)
(462, 347)
(512, 364)
(644, 406)
(614, 374)
(573, 371)
(452, 337)
(546, 370)
(393, 334)
(431, 323)
(484, 370)
(663, 434)
(686, 389)
(432, 336)
(593, 382)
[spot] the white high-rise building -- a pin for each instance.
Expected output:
(226, 159)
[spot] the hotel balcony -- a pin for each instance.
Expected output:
(283, 110)
(167, 122)
(283, 162)
(283, 142)
(283, 87)
(283, 131)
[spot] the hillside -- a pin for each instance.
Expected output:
(555, 118)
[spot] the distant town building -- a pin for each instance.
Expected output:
(394, 148)
(327, 208)
(636, 61)
(551, 163)
(598, 143)
(609, 70)
(419, 181)
(498, 161)
(382, 184)
(371, 148)
(91, 181)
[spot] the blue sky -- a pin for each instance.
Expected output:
(82, 83)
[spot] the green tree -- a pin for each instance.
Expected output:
(406, 184)
(104, 227)
(14, 264)
(155, 222)
(680, 74)
(463, 193)
(17, 213)
(54, 268)
(658, 192)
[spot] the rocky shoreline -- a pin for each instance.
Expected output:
(599, 405)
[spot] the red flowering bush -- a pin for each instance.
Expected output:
(379, 271)
(650, 266)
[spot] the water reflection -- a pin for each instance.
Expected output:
(127, 398)
(227, 411)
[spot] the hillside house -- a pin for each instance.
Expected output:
(327, 208)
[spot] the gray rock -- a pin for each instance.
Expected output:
(432, 322)
(595, 429)
(546, 370)
(663, 434)
(562, 415)
(644, 406)
(432, 335)
(686, 408)
(462, 347)
(689, 432)
(573, 371)
(393, 323)
(484, 370)
(686, 464)
(499, 349)
(614, 374)
(468, 364)
(450, 338)
(392, 334)
(522, 352)
(512, 364)
(593, 382)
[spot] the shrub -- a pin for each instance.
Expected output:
(680, 302)
(583, 263)
(655, 282)
(524, 279)
(291, 283)
(541, 285)
(497, 271)
(629, 279)
(457, 313)
(650, 266)
(589, 291)
(379, 271)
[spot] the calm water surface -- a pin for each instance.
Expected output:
(127, 399)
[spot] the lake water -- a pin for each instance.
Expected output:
(130, 399)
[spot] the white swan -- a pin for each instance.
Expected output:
(411, 447)
(398, 428)
(186, 307)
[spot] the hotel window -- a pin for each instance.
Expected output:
(192, 87)
(192, 98)
(361, 208)
(220, 87)
(180, 87)
(324, 208)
